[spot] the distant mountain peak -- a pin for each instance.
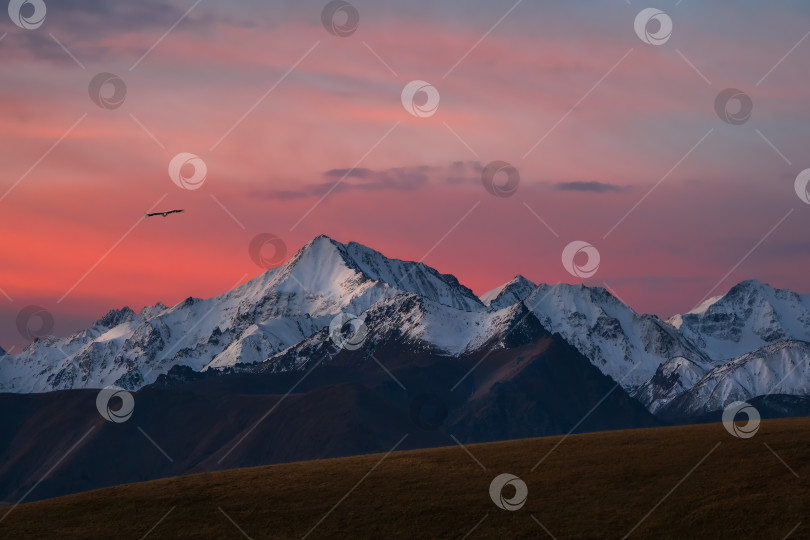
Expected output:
(318, 247)
(519, 280)
(747, 287)
(677, 320)
(750, 315)
(515, 290)
(324, 259)
(117, 316)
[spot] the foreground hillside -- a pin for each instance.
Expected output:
(347, 406)
(683, 482)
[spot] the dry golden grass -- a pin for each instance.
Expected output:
(590, 486)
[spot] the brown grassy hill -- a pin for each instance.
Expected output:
(682, 482)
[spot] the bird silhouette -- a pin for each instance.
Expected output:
(166, 213)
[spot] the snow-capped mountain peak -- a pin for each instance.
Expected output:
(329, 269)
(274, 311)
(515, 290)
(751, 315)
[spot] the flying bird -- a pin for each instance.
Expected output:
(166, 213)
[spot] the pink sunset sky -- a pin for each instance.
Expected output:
(280, 110)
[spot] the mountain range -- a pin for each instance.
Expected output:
(731, 347)
(262, 374)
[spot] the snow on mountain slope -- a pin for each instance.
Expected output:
(671, 379)
(414, 324)
(268, 314)
(55, 363)
(623, 344)
(448, 330)
(780, 368)
(750, 316)
(325, 274)
(412, 277)
(516, 290)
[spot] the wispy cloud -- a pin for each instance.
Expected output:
(394, 179)
(593, 187)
